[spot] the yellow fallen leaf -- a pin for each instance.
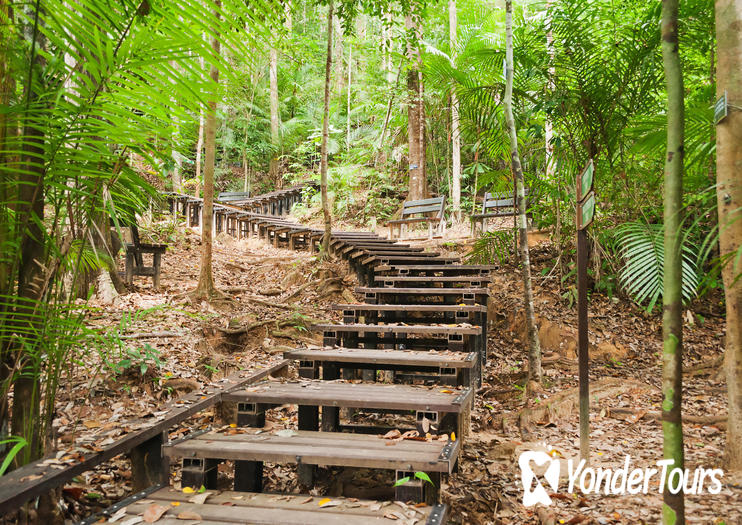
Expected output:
(175, 503)
(323, 501)
(446, 391)
(453, 436)
(233, 425)
(188, 490)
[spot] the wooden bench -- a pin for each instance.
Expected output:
(228, 508)
(417, 212)
(495, 205)
(202, 454)
(447, 411)
(444, 367)
(135, 261)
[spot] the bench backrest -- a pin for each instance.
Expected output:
(494, 201)
(435, 204)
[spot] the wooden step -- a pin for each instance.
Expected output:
(229, 507)
(429, 269)
(453, 368)
(432, 329)
(433, 281)
(410, 259)
(201, 455)
(446, 409)
(422, 294)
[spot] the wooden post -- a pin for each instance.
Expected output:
(582, 345)
(148, 466)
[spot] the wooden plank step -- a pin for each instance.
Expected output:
(446, 269)
(355, 395)
(391, 259)
(285, 509)
(380, 357)
(320, 448)
(465, 329)
(442, 366)
(365, 307)
(433, 280)
(422, 291)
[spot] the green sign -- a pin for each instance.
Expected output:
(721, 108)
(586, 212)
(585, 182)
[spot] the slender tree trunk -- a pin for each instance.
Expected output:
(273, 76)
(199, 144)
(325, 251)
(673, 511)
(205, 288)
(416, 147)
(350, 70)
(455, 133)
(534, 348)
(199, 148)
(729, 194)
(175, 143)
(30, 217)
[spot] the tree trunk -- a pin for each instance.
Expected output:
(175, 143)
(199, 148)
(729, 194)
(26, 420)
(455, 133)
(350, 70)
(534, 349)
(205, 288)
(673, 511)
(325, 251)
(199, 144)
(387, 43)
(415, 121)
(273, 76)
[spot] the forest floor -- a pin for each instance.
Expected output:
(273, 295)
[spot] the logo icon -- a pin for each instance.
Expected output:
(537, 494)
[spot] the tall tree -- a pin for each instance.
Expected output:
(534, 347)
(206, 289)
(326, 135)
(455, 133)
(672, 320)
(415, 113)
(729, 195)
(275, 125)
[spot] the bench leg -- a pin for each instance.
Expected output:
(156, 267)
(248, 476)
(430, 230)
(129, 268)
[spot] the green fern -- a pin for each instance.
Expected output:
(642, 248)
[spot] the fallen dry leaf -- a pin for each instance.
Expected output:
(189, 515)
(154, 512)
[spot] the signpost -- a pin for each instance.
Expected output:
(721, 108)
(585, 215)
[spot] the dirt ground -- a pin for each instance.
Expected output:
(273, 295)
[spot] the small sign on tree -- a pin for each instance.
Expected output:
(721, 108)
